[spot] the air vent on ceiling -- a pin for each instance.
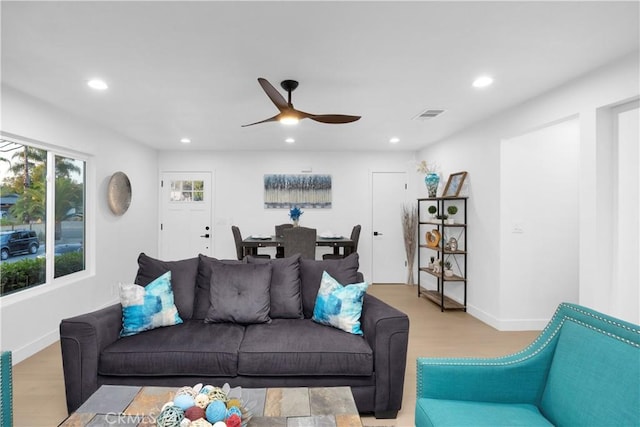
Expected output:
(428, 114)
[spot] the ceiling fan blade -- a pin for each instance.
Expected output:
(273, 94)
(270, 119)
(332, 118)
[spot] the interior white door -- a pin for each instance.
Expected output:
(185, 215)
(388, 255)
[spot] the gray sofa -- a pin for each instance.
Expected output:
(290, 350)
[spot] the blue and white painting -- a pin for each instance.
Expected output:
(304, 191)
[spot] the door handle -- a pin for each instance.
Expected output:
(375, 233)
(206, 236)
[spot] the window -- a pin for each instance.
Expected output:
(39, 216)
(187, 191)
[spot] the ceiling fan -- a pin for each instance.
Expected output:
(288, 114)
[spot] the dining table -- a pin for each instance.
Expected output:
(252, 243)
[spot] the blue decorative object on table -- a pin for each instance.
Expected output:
(294, 214)
(432, 180)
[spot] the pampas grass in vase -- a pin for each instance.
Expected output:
(410, 232)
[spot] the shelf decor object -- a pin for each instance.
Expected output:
(449, 241)
(454, 184)
(119, 193)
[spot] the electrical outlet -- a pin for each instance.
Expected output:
(517, 227)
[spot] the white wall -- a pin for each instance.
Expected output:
(30, 319)
(477, 150)
(239, 187)
(625, 295)
(539, 236)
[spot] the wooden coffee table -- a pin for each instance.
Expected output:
(272, 407)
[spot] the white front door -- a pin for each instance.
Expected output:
(389, 257)
(186, 204)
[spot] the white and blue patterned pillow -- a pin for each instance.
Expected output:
(148, 307)
(339, 306)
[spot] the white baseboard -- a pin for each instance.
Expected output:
(507, 324)
(28, 350)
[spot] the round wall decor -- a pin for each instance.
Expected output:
(119, 193)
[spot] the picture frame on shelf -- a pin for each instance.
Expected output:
(454, 184)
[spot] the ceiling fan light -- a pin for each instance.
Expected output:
(289, 120)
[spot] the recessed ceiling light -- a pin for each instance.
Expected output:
(185, 141)
(289, 140)
(483, 81)
(97, 84)
(394, 140)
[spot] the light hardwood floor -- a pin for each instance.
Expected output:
(39, 385)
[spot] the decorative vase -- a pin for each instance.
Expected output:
(432, 180)
(296, 222)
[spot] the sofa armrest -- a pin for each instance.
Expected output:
(386, 330)
(82, 339)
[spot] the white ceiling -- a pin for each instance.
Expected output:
(179, 69)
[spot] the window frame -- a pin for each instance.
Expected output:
(51, 283)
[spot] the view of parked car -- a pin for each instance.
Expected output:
(17, 242)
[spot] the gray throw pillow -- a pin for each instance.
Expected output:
(344, 270)
(239, 293)
(203, 284)
(183, 279)
(286, 299)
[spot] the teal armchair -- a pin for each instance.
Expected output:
(583, 369)
(6, 390)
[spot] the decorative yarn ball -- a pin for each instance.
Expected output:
(171, 416)
(184, 401)
(234, 410)
(186, 390)
(216, 393)
(186, 422)
(202, 400)
(220, 424)
(194, 413)
(234, 421)
(216, 411)
(200, 422)
(205, 389)
(234, 402)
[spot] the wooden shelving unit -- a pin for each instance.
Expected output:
(442, 252)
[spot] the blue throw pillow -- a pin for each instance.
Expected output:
(149, 307)
(339, 306)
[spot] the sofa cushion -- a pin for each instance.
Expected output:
(441, 412)
(149, 307)
(344, 270)
(339, 305)
(589, 364)
(286, 299)
(297, 347)
(239, 293)
(192, 348)
(183, 279)
(203, 284)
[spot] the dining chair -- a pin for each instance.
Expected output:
(279, 229)
(355, 236)
(237, 237)
(6, 389)
(300, 240)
